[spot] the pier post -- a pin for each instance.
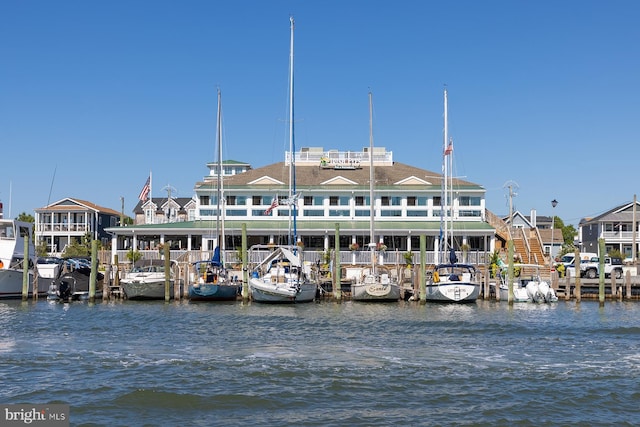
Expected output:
(116, 276)
(167, 272)
(509, 273)
(627, 282)
(245, 271)
(25, 271)
(94, 270)
(567, 288)
(614, 286)
(337, 280)
(576, 262)
(106, 283)
(35, 282)
(601, 254)
(423, 274)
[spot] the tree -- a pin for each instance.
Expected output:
(25, 217)
(568, 231)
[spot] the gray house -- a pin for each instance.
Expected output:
(618, 227)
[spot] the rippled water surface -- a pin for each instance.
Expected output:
(325, 364)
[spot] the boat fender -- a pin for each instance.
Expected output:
(436, 277)
(1, 264)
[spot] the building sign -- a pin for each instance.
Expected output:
(328, 163)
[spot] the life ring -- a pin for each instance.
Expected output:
(436, 277)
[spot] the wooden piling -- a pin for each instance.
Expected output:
(627, 280)
(601, 254)
(567, 288)
(94, 270)
(337, 279)
(423, 269)
(510, 275)
(106, 284)
(245, 269)
(167, 272)
(25, 270)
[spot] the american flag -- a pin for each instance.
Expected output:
(449, 149)
(274, 204)
(144, 193)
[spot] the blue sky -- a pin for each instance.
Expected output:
(543, 94)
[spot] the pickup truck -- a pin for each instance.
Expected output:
(589, 269)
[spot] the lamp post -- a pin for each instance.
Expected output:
(554, 203)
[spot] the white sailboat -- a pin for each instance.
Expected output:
(281, 277)
(450, 281)
(210, 280)
(374, 283)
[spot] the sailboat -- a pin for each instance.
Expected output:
(281, 276)
(450, 281)
(375, 282)
(210, 280)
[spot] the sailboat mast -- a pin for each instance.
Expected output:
(445, 173)
(372, 210)
(219, 149)
(292, 163)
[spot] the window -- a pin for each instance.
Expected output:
(231, 200)
(469, 201)
(256, 200)
(339, 200)
(308, 200)
(359, 200)
(437, 200)
(411, 201)
(204, 200)
(384, 201)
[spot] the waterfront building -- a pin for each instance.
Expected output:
(69, 220)
(618, 227)
(332, 194)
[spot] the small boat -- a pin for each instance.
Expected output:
(72, 283)
(452, 281)
(375, 283)
(210, 280)
(527, 286)
(12, 237)
(146, 280)
(281, 278)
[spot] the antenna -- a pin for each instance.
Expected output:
(511, 185)
(169, 189)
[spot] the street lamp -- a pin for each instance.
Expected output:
(554, 203)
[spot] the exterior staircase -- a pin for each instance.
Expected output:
(527, 243)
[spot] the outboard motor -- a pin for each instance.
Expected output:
(64, 291)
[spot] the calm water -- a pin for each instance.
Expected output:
(325, 364)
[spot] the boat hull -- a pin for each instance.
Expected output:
(375, 292)
(140, 290)
(520, 294)
(282, 293)
(214, 292)
(11, 284)
(458, 292)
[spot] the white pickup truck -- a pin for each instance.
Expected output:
(589, 268)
